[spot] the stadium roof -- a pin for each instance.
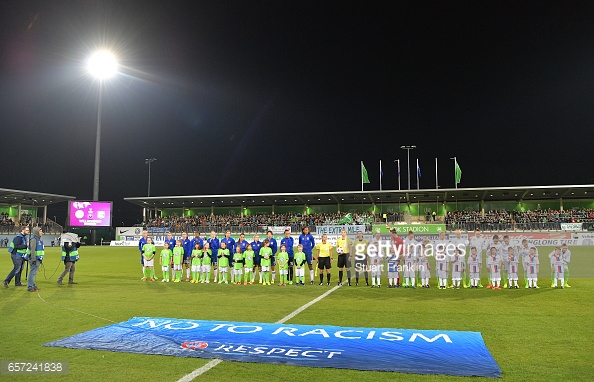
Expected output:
(585, 191)
(28, 198)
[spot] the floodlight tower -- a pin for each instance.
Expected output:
(101, 65)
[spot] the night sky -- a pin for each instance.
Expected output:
(290, 96)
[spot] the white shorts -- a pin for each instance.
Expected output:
(284, 272)
(177, 267)
(149, 263)
(265, 268)
(205, 268)
(409, 273)
(165, 269)
(223, 269)
(237, 271)
(196, 268)
(247, 270)
(300, 272)
(496, 279)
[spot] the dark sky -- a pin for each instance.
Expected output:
(289, 96)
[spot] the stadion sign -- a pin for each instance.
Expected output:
(403, 229)
(571, 226)
(337, 229)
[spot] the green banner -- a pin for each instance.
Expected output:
(402, 229)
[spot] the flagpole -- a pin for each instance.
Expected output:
(361, 175)
(408, 148)
(436, 178)
(380, 174)
(417, 173)
(398, 160)
(455, 183)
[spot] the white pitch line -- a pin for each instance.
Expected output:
(201, 370)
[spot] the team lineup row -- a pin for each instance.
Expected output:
(244, 260)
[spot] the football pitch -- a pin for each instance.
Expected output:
(543, 334)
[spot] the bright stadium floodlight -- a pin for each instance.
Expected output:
(102, 64)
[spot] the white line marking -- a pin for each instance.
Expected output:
(301, 309)
(201, 370)
(198, 372)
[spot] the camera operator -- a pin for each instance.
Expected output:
(35, 258)
(18, 252)
(70, 245)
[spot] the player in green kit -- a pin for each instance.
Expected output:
(300, 261)
(196, 263)
(178, 254)
(248, 258)
(148, 253)
(223, 256)
(165, 257)
(205, 255)
(237, 265)
(282, 259)
(265, 261)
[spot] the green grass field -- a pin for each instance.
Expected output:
(544, 334)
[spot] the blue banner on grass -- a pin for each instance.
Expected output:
(381, 349)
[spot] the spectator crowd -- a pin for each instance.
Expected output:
(548, 219)
(258, 222)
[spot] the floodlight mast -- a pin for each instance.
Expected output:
(101, 65)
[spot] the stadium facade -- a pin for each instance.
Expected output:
(415, 204)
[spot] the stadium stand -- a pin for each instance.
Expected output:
(498, 220)
(257, 223)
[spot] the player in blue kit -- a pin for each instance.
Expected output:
(288, 242)
(274, 247)
(141, 244)
(187, 246)
(242, 242)
(307, 241)
(230, 244)
(214, 244)
(197, 240)
(256, 246)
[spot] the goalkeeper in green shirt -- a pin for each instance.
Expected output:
(265, 261)
(248, 258)
(223, 256)
(196, 263)
(206, 255)
(300, 262)
(282, 260)
(165, 256)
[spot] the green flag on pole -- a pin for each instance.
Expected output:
(458, 173)
(364, 176)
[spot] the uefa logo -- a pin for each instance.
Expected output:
(194, 345)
